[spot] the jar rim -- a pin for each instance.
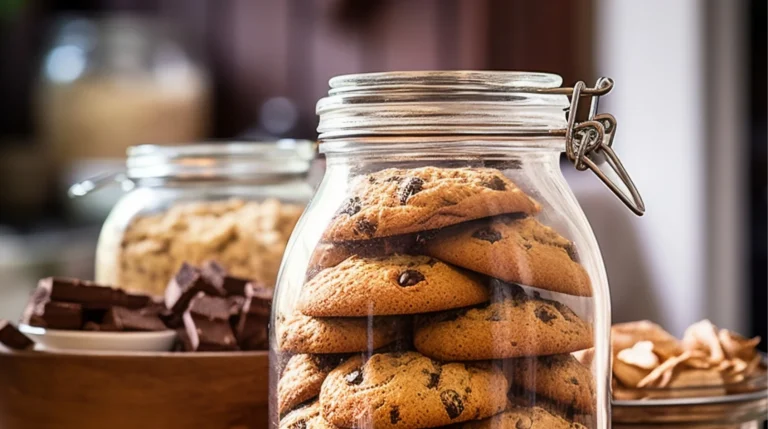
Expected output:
(237, 159)
(442, 103)
(478, 79)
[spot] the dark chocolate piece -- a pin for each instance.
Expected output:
(90, 295)
(57, 315)
(185, 286)
(251, 329)
(13, 338)
(210, 307)
(202, 334)
(126, 319)
(217, 275)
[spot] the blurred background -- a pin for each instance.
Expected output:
(81, 80)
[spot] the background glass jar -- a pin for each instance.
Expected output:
(235, 203)
(443, 273)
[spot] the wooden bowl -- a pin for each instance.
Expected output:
(40, 390)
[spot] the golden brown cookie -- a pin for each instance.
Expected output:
(560, 378)
(399, 201)
(302, 377)
(518, 417)
(514, 249)
(398, 284)
(513, 324)
(306, 417)
(409, 390)
(303, 334)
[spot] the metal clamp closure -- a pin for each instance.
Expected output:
(590, 142)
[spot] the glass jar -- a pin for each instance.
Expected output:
(234, 203)
(444, 272)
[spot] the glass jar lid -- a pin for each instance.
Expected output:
(248, 161)
(217, 160)
(442, 102)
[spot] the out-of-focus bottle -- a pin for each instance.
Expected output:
(113, 82)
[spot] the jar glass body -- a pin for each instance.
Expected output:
(241, 221)
(441, 280)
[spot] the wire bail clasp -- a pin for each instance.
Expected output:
(593, 139)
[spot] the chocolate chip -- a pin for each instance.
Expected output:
(544, 315)
(365, 227)
(410, 278)
(573, 380)
(452, 403)
(410, 186)
(394, 179)
(351, 207)
(527, 246)
(355, 377)
(299, 424)
(572, 252)
(524, 423)
(394, 414)
(487, 234)
(496, 183)
(434, 380)
(371, 179)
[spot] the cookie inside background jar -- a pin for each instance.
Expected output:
(401, 214)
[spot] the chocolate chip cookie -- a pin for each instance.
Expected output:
(302, 377)
(518, 417)
(409, 390)
(398, 284)
(303, 334)
(306, 417)
(399, 201)
(514, 249)
(558, 377)
(513, 324)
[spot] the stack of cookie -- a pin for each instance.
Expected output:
(412, 315)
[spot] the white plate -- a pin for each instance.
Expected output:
(56, 339)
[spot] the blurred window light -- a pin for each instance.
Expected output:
(65, 63)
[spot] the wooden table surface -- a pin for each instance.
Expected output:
(41, 390)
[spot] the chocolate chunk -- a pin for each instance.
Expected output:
(452, 403)
(496, 183)
(408, 187)
(394, 414)
(573, 380)
(210, 307)
(215, 274)
(434, 380)
(487, 234)
(365, 227)
(410, 278)
(544, 315)
(351, 207)
(91, 295)
(13, 338)
(57, 315)
(205, 335)
(126, 319)
(355, 377)
(572, 252)
(251, 327)
(183, 288)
